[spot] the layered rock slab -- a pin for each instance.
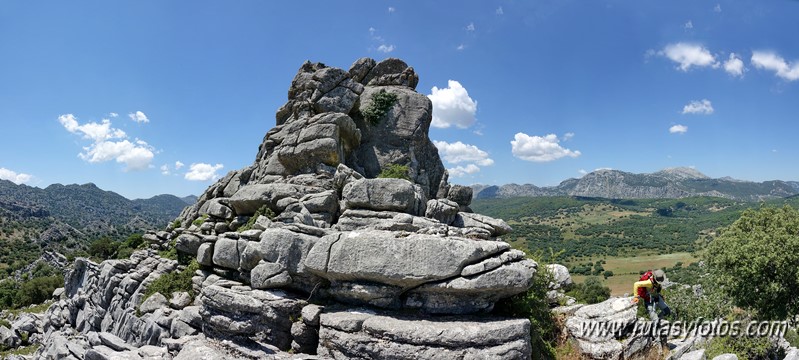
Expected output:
(362, 334)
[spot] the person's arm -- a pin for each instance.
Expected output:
(647, 284)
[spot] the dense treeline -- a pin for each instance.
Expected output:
(564, 225)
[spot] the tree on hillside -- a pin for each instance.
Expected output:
(755, 260)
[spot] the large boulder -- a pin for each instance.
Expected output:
(381, 195)
(359, 334)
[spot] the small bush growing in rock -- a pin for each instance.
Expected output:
(533, 305)
(395, 171)
(382, 101)
(200, 220)
(175, 281)
(264, 210)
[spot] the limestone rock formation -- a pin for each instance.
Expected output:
(294, 247)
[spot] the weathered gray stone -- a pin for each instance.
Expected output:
(180, 329)
(113, 341)
(380, 194)
(460, 194)
(361, 67)
(180, 300)
(7, 338)
(561, 279)
(442, 210)
(694, 355)
(269, 275)
(250, 198)
(382, 257)
(217, 208)
(153, 303)
(495, 226)
(226, 253)
(391, 71)
(205, 254)
(364, 334)
(188, 243)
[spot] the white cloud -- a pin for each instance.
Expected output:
(391, 9)
(702, 107)
(688, 55)
(14, 177)
(689, 25)
(470, 27)
(113, 115)
(385, 48)
(459, 152)
(461, 171)
(734, 65)
(203, 172)
(678, 129)
(568, 136)
(582, 172)
(717, 8)
(136, 156)
(539, 149)
(452, 106)
(500, 11)
(179, 165)
(139, 117)
(460, 47)
(165, 169)
(771, 61)
(95, 131)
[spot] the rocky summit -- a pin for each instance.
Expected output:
(342, 240)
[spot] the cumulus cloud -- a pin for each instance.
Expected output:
(135, 155)
(582, 172)
(385, 48)
(678, 129)
(717, 8)
(452, 106)
(470, 27)
(391, 9)
(139, 117)
(770, 61)
(500, 11)
(14, 177)
(461, 171)
(203, 172)
(459, 153)
(688, 55)
(113, 115)
(179, 165)
(96, 131)
(568, 136)
(702, 107)
(734, 65)
(165, 169)
(689, 25)
(539, 148)
(460, 47)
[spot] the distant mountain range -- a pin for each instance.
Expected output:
(60, 213)
(668, 183)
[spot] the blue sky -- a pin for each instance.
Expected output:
(152, 97)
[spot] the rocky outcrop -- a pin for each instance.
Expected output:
(364, 334)
(607, 331)
(310, 223)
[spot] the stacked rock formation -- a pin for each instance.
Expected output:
(309, 249)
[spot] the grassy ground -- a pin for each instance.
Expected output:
(626, 269)
(568, 220)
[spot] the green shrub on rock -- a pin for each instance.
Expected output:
(382, 101)
(395, 171)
